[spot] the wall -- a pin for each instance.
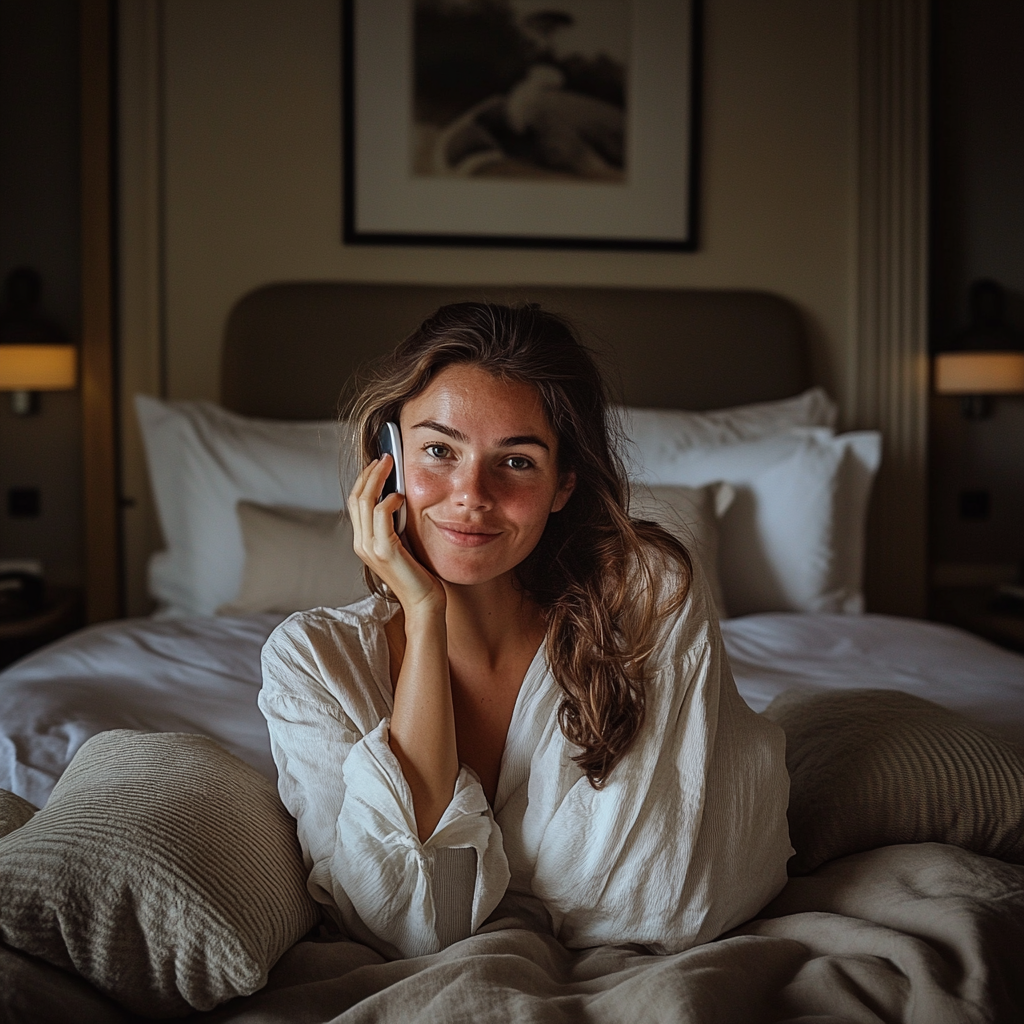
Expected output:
(977, 231)
(249, 166)
(39, 227)
(253, 121)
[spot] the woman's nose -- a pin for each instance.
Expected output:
(470, 488)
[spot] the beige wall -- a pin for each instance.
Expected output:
(251, 169)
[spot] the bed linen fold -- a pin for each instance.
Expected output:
(923, 934)
(198, 675)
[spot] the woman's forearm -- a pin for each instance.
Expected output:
(422, 733)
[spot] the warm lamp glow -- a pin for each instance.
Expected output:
(979, 373)
(38, 367)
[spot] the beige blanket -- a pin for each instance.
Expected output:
(925, 933)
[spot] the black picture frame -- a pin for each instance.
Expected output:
(655, 208)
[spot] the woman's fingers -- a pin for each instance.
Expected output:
(375, 541)
(362, 500)
(370, 482)
(384, 535)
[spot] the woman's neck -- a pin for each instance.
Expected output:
(489, 622)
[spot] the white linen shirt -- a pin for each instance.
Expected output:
(687, 838)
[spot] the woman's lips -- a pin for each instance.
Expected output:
(465, 536)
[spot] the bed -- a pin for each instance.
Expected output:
(921, 920)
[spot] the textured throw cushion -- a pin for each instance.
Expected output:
(691, 515)
(295, 559)
(873, 768)
(163, 869)
(14, 812)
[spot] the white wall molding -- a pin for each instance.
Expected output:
(890, 358)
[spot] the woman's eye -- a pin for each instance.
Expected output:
(518, 462)
(437, 451)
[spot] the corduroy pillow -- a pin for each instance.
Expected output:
(14, 812)
(163, 869)
(691, 515)
(871, 768)
(295, 558)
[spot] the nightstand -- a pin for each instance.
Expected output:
(980, 610)
(63, 612)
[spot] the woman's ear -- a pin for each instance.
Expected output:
(566, 486)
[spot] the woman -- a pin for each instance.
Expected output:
(534, 708)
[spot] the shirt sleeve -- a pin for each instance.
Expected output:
(354, 810)
(688, 837)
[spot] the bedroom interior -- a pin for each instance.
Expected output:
(855, 178)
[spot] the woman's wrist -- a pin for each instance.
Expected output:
(425, 617)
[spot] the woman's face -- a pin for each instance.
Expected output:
(481, 474)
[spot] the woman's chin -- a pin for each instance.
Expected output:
(466, 572)
(462, 577)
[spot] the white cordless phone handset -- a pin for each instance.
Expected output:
(390, 442)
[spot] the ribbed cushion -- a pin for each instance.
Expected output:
(295, 558)
(163, 869)
(14, 812)
(873, 768)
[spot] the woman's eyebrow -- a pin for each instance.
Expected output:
(455, 435)
(520, 439)
(516, 441)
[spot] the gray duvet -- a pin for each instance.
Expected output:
(923, 933)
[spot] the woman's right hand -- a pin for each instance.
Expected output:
(375, 542)
(421, 731)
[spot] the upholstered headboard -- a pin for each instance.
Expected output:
(290, 348)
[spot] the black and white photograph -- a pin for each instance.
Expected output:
(557, 123)
(521, 89)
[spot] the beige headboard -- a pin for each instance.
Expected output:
(290, 348)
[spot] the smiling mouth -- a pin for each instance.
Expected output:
(465, 537)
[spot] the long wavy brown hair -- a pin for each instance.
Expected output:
(605, 582)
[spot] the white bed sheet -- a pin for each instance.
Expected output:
(198, 675)
(774, 652)
(203, 674)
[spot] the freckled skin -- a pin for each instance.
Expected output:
(476, 504)
(482, 477)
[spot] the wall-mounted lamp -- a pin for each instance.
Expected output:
(28, 369)
(34, 353)
(988, 360)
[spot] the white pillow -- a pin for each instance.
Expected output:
(661, 434)
(793, 539)
(691, 515)
(295, 559)
(202, 462)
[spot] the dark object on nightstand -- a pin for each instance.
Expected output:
(975, 506)
(21, 594)
(1010, 599)
(997, 616)
(23, 502)
(27, 623)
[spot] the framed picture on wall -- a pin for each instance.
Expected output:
(558, 123)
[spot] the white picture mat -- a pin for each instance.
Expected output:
(653, 203)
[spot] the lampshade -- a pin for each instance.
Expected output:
(979, 373)
(38, 367)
